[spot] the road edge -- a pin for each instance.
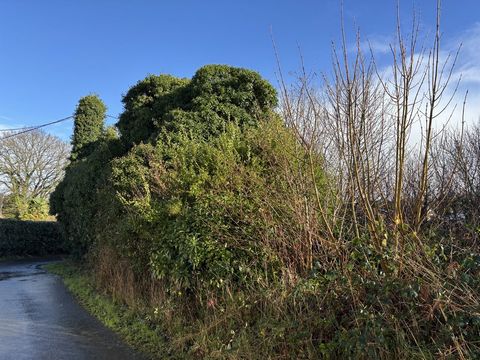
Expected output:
(130, 325)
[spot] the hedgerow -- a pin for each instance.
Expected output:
(30, 238)
(211, 217)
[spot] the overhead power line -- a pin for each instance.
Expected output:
(36, 127)
(33, 128)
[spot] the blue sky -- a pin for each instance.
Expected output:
(52, 52)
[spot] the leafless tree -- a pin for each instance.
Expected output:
(31, 163)
(361, 122)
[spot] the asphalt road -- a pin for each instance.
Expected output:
(39, 319)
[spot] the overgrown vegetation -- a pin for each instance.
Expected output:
(29, 238)
(308, 230)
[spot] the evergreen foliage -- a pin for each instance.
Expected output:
(216, 95)
(88, 125)
(146, 105)
(75, 201)
(158, 110)
(29, 238)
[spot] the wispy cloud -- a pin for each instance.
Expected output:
(464, 77)
(468, 63)
(467, 71)
(7, 122)
(378, 44)
(3, 117)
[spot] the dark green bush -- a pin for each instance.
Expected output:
(160, 110)
(146, 106)
(88, 127)
(22, 238)
(75, 201)
(216, 95)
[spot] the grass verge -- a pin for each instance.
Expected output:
(131, 325)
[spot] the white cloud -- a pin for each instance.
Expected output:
(379, 45)
(5, 122)
(8, 123)
(466, 70)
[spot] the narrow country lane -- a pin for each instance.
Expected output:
(39, 319)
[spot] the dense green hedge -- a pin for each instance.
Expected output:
(20, 238)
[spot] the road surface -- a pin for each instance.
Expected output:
(39, 319)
